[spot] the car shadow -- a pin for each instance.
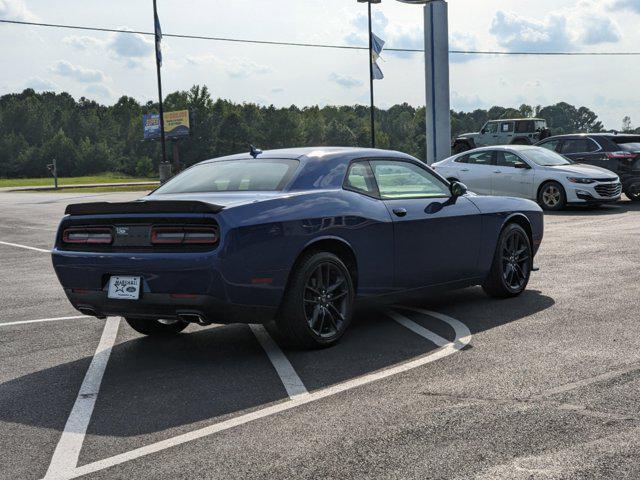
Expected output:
(623, 206)
(155, 387)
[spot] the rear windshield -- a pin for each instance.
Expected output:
(233, 176)
(628, 144)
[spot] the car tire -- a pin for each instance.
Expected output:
(552, 196)
(157, 327)
(318, 303)
(633, 192)
(512, 264)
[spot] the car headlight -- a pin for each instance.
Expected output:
(580, 180)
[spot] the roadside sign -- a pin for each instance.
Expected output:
(176, 125)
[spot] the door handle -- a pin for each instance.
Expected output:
(400, 212)
(497, 171)
(464, 170)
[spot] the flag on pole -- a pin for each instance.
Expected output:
(158, 29)
(377, 44)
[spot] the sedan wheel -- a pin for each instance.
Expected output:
(633, 192)
(318, 303)
(552, 196)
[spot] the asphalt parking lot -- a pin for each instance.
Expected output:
(460, 386)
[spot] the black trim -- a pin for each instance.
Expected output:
(150, 206)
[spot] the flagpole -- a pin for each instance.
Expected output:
(158, 68)
(372, 110)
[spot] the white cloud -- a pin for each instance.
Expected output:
(236, 67)
(82, 42)
(345, 81)
(16, 10)
(41, 85)
(584, 23)
(102, 92)
(633, 5)
(81, 74)
(130, 48)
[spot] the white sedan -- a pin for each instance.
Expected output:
(531, 172)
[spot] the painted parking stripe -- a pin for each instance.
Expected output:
(290, 379)
(463, 337)
(67, 452)
(25, 247)
(463, 334)
(419, 329)
(41, 320)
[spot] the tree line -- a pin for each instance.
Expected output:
(86, 137)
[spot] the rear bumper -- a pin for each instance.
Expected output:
(166, 306)
(220, 290)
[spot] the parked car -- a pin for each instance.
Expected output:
(531, 172)
(518, 131)
(290, 238)
(619, 154)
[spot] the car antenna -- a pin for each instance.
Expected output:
(254, 152)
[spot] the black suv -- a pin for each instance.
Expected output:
(619, 153)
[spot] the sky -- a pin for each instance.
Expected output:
(104, 66)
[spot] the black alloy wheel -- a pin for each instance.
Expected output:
(633, 192)
(326, 300)
(516, 260)
(512, 264)
(318, 303)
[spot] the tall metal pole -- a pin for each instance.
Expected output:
(373, 114)
(158, 68)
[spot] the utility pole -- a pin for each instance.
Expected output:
(158, 34)
(372, 109)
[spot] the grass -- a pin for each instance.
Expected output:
(139, 188)
(48, 181)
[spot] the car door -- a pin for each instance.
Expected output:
(505, 133)
(581, 150)
(488, 135)
(435, 235)
(475, 171)
(513, 176)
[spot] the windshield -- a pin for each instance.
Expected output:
(233, 176)
(546, 158)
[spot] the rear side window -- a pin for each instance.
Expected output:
(397, 179)
(525, 127)
(578, 145)
(480, 158)
(628, 144)
(360, 179)
(233, 176)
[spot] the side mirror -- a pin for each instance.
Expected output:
(458, 189)
(522, 166)
(483, 131)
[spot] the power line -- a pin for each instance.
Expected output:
(314, 45)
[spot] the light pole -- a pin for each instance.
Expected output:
(372, 113)
(437, 103)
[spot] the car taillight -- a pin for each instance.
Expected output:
(184, 235)
(620, 155)
(88, 235)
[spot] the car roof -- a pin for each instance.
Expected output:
(316, 153)
(499, 147)
(597, 135)
(518, 120)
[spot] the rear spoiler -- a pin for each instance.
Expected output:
(168, 206)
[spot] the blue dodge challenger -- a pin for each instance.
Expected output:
(291, 238)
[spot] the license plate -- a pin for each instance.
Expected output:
(124, 288)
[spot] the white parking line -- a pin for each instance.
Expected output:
(26, 247)
(463, 337)
(67, 452)
(419, 329)
(281, 363)
(40, 320)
